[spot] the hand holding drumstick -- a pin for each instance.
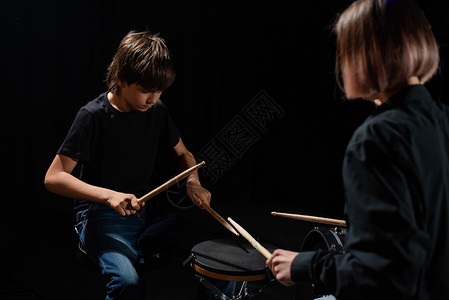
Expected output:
(280, 264)
(199, 195)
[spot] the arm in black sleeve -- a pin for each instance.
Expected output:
(386, 248)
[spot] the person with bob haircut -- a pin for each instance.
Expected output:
(114, 141)
(396, 165)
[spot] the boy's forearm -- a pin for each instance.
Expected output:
(67, 185)
(185, 161)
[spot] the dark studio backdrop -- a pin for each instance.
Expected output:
(255, 96)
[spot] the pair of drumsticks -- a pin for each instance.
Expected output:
(239, 228)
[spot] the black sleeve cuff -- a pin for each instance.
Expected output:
(300, 267)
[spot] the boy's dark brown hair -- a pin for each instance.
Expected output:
(385, 42)
(142, 58)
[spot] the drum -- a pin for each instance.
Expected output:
(231, 259)
(325, 238)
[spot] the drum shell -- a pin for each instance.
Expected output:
(325, 238)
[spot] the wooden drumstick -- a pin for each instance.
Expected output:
(170, 182)
(327, 221)
(219, 218)
(250, 239)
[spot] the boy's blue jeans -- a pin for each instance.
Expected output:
(113, 242)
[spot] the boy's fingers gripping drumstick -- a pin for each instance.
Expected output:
(250, 239)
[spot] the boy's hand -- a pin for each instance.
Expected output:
(197, 193)
(124, 204)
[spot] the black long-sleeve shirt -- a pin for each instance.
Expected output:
(396, 180)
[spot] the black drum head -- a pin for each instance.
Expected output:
(230, 257)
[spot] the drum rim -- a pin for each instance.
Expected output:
(326, 232)
(249, 277)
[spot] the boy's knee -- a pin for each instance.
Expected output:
(128, 279)
(124, 280)
(125, 285)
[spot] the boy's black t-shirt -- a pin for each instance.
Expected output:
(117, 150)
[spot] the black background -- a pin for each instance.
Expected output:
(54, 56)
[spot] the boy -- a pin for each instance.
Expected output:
(114, 140)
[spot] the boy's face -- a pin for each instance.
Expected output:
(134, 97)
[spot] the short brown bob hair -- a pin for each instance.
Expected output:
(383, 43)
(142, 58)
